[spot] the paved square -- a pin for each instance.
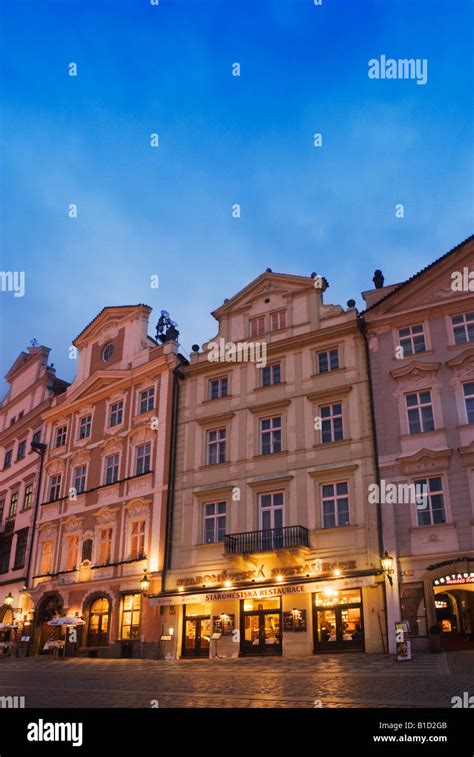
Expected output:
(333, 681)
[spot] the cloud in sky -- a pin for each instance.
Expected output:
(223, 140)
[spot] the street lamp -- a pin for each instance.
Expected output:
(9, 599)
(387, 566)
(144, 584)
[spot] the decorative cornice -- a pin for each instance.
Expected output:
(212, 420)
(264, 407)
(425, 459)
(334, 471)
(414, 368)
(268, 480)
(331, 393)
(460, 359)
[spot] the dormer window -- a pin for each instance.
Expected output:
(107, 352)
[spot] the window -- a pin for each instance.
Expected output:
(7, 461)
(328, 360)
(413, 611)
(214, 522)
(72, 551)
(331, 423)
(112, 469)
(335, 504)
(270, 435)
(5, 551)
(469, 400)
(216, 446)
(61, 433)
(85, 426)
(116, 414)
(13, 505)
(107, 353)
(46, 560)
(79, 478)
(54, 487)
(463, 328)
(12, 420)
(21, 414)
(137, 547)
(218, 388)
(86, 550)
(36, 437)
(21, 450)
(105, 546)
(257, 325)
(2, 507)
(143, 458)
(412, 339)
(20, 551)
(433, 510)
(271, 510)
(271, 374)
(131, 611)
(278, 320)
(147, 400)
(420, 412)
(28, 498)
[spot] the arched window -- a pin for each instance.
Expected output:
(99, 616)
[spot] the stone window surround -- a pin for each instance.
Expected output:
(405, 322)
(136, 510)
(417, 377)
(462, 367)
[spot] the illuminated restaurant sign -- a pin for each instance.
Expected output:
(455, 578)
(260, 572)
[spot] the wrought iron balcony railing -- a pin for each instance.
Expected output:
(267, 540)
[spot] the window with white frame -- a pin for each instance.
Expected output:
(332, 429)
(270, 435)
(327, 360)
(463, 328)
(271, 374)
(432, 509)
(72, 551)
(116, 413)
(335, 504)
(214, 522)
(469, 400)
(271, 510)
(112, 463)
(85, 425)
(137, 540)
(61, 434)
(46, 557)
(218, 387)
(257, 325)
(412, 339)
(105, 546)
(419, 412)
(146, 400)
(278, 320)
(143, 457)
(54, 487)
(216, 446)
(79, 478)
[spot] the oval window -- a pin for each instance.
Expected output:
(108, 352)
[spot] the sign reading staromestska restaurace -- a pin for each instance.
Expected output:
(315, 567)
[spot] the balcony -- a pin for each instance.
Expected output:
(269, 540)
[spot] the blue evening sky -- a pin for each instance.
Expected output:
(223, 140)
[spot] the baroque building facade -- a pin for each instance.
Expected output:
(32, 386)
(421, 344)
(274, 546)
(101, 527)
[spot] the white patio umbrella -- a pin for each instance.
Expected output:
(66, 620)
(7, 625)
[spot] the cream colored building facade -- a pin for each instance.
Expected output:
(275, 549)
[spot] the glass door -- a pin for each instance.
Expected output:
(338, 622)
(197, 636)
(260, 628)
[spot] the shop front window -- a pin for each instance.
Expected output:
(131, 613)
(338, 621)
(261, 623)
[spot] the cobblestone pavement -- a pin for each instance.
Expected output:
(337, 681)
